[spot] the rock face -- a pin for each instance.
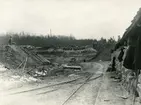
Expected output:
(139, 85)
(127, 76)
(128, 67)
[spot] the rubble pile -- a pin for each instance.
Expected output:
(27, 61)
(23, 59)
(12, 56)
(10, 78)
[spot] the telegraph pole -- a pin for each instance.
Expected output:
(50, 32)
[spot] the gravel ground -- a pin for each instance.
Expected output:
(100, 91)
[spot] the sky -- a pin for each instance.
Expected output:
(81, 18)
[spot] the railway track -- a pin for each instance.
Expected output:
(88, 79)
(61, 84)
(58, 84)
(82, 85)
(47, 86)
(92, 89)
(73, 89)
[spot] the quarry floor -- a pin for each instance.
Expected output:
(95, 89)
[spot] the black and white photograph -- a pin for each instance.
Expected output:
(70, 52)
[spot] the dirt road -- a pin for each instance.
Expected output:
(94, 89)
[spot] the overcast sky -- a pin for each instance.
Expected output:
(81, 18)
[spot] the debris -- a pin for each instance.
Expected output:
(73, 75)
(19, 65)
(2, 68)
(42, 73)
(139, 89)
(24, 79)
(25, 63)
(72, 67)
(106, 100)
(15, 76)
(33, 79)
(122, 96)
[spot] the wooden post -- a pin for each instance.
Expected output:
(25, 63)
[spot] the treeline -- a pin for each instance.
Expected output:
(54, 41)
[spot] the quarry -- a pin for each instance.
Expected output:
(51, 66)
